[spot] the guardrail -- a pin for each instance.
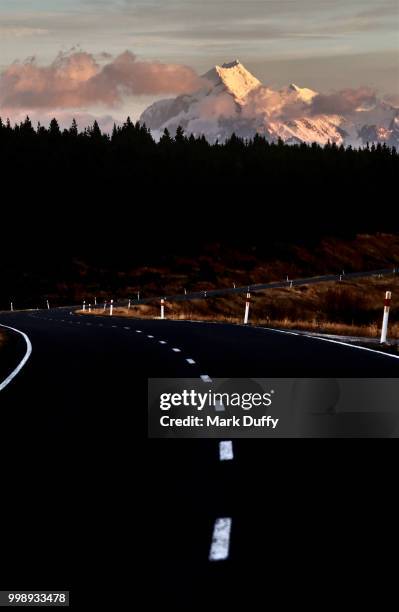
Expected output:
(244, 289)
(258, 287)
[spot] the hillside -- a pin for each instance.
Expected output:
(70, 279)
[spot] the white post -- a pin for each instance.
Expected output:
(234, 285)
(111, 308)
(84, 305)
(138, 296)
(387, 304)
(89, 307)
(12, 307)
(247, 309)
(340, 277)
(95, 302)
(128, 306)
(287, 278)
(162, 308)
(291, 285)
(105, 306)
(48, 305)
(185, 291)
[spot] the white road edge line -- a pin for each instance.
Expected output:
(220, 540)
(21, 364)
(226, 452)
(361, 348)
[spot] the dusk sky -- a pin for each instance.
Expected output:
(322, 44)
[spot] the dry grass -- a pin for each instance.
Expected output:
(346, 308)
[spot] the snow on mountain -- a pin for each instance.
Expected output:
(304, 94)
(232, 100)
(233, 78)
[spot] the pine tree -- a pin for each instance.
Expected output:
(180, 138)
(73, 130)
(54, 128)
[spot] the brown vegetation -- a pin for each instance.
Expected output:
(345, 308)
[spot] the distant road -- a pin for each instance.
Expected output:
(312, 280)
(74, 418)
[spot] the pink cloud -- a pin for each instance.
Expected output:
(77, 80)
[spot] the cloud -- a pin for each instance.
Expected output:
(343, 102)
(7, 31)
(77, 80)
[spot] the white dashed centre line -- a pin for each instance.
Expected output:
(190, 361)
(150, 336)
(205, 378)
(226, 450)
(162, 342)
(176, 350)
(126, 328)
(138, 331)
(220, 540)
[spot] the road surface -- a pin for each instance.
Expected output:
(80, 479)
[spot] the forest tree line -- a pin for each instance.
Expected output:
(183, 189)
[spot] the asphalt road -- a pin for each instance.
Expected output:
(81, 482)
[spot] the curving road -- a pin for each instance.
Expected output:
(74, 451)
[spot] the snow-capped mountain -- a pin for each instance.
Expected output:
(232, 100)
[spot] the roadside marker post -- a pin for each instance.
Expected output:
(247, 302)
(111, 308)
(89, 307)
(162, 308)
(387, 304)
(128, 306)
(48, 305)
(95, 302)
(138, 296)
(105, 306)
(12, 307)
(84, 305)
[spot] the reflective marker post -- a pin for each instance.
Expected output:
(247, 302)
(387, 304)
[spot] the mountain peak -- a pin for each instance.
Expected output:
(305, 94)
(232, 64)
(234, 78)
